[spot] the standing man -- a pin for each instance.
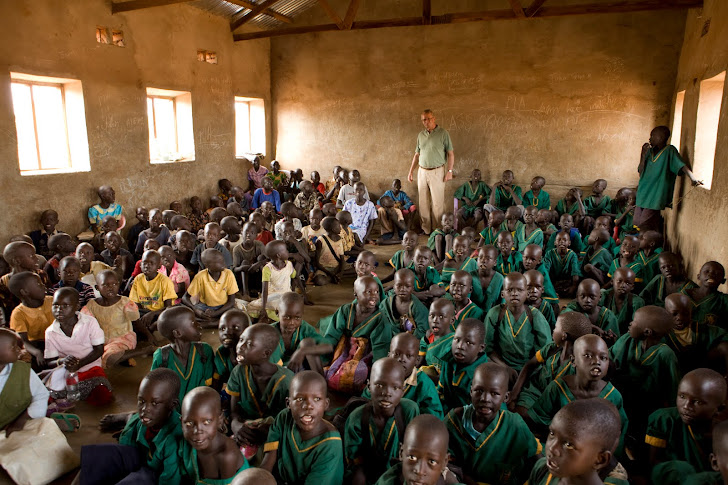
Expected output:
(434, 149)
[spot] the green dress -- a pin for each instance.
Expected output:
(489, 235)
(657, 181)
(317, 461)
(491, 296)
(161, 456)
(397, 261)
(414, 322)
(666, 430)
(543, 201)
(503, 199)
(506, 266)
(224, 364)
(711, 310)
(549, 356)
(562, 267)
(606, 320)
(575, 237)
(499, 453)
(655, 291)
(609, 245)
(190, 467)
(432, 277)
(434, 351)
(515, 339)
(540, 475)
(454, 384)
(562, 209)
(547, 310)
(198, 371)
(692, 345)
(471, 310)
(374, 328)
(601, 259)
(635, 266)
(650, 265)
(254, 403)
(594, 208)
(282, 355)
(419, 389)
(466, 190)
(624, 315)
(549, 292)
(521, 240)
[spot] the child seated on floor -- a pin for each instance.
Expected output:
(232, 229)
(533, 260)
(90, 267)
(190, 358)
(487, 282)
(537, 196)
(402, 310)
(489, 234)
(471, 196)
(441, 239)
(301, 345)
(277, 277)
(572, 204)
(61, 245)
(175, 271)
(405, 257)
(107, 207)
(148, 445)
(270, 216)
(505, 194)
(329, 258)
(48, 222)
(529, 232)
(185, 244)
(602, 222)
(212, 238)
(627, 258)
(467, 352)
(391, 221)
(373, 432)
(402, 202)
(149, 245)
(74, 344)
(566, 223)
(563, 266)
(152, 292)
(459, 290)
(437, 342)
(365, 265)
(512, 220)
(301, 445)
(598, 203)
(588, 295)
(33, 316)
(116, 256)
(362, 212)
(582, 440)
(514, 330)
(258, 389)
(329, 210)
(534, 292)
(620, 300)
(459, 259)
(116, 315)
(511, 447)
(20, 256)
(229, 329)
(288, 211)
(427, 280)
(348, 189)
(624, 223)
(671, 280)
(155, 231)
(248, 259)
(352, 244)
(299, 256)
(207, 455)
(543, 221)
(709, 305)
(682, 436)
(597, 259)
(213, 290)
(314, 230)
(508, 259)
(266, 194)
(308, 199)
(650, 249)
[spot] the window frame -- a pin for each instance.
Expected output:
(249, 102)
(174, 111)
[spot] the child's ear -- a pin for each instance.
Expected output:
(507, 396)
(328, 402)
(648, 332)
(714, 462)
(288, 402)
(603, 458)
(175, 333)
(482, 348)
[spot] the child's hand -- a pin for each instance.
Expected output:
(147, 319)
(296, 362)
(71, 363)
(646, 148)
(38, 354)
(265, 318)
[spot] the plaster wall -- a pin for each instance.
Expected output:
(696, 225)
(52, 38)
(570, 98)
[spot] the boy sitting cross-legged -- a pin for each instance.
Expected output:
(671, 280)
(620, 300)
(709, 304)
(534, 292)
(461, 285)
(588, 295)
(402, 310)
(33, 316)
(212, 291)
(441, 239)
(597, 259)
(563, 265)
(487, 283)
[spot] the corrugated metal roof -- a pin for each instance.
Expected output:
(289, 8)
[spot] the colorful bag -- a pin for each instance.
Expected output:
(349, 369)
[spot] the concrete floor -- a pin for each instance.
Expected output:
(126, 379)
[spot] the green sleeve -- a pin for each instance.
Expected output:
(209, 362)
(234, 383)
(128, 436)
(171, 473)
(658, 429)
(611, 323)
(336, 329)
(547, 405)
(433, 277)
(541, 330)
(353, 438)
(491, 327)
(423, 348)
(649, 293)
(327, 466)
(460, 192)
(573, 264)
(617, 352)
(157, 359)
(427, 398)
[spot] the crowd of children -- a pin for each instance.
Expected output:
(461, 366)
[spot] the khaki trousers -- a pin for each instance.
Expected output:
(431, 188)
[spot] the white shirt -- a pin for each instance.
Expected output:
(39, 404)
(86, 333)
(348, 192)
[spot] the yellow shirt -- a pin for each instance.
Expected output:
(211, 292)
(151, 295)
(34, 321)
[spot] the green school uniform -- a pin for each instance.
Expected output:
(506, 266)
(282, 354)
(434, 351)
(503, 198)
(521, 240)
(650, 264)
(490, 235)
(416, 317)
(575, 237)
(594, 208)
(438, 232)
(540, 475)
(319, 460)
(432, 277)
(703, 478)
(648, 378)
(543, 201)
(471, 310)
(692, 345)
(624, 315)
(656, 291)
(609, 245)
(255, 403)
(161, 454)
(373, 328)
(420, 389)
(515, 339)
(393, 476)
(635, 266)
(562, 267)
(466, 190)
(549, 356)
(558, 394)
(190, 467)
(469, 264)
(397, 261)
(197, 371)
(657, 181)
(382, 294)
(547, 310)
(491, 296)
(711, 310)
(562, 209)
(606, 320)
(549, 292)
(386, 441)
(454, 384)
(601, 259)
(627, 226)
(666, 430)
(504, 227)
(224, 363)
(499, 453)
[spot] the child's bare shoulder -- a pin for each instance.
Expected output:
(230, 460)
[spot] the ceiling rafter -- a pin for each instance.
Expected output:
(140, 4)
(271, 13)
(517, 9)
(351, 13)
(332, 14)
(533, 8)
(260, 7)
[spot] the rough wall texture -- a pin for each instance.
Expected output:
(47, 37)
(571, 98)
(696, 226)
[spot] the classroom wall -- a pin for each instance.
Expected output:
(52, 38)
(696, 226)
(571, 98)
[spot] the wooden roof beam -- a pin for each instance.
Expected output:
(140, 4)
(332, 14)
(517, 9)
(533, 8)
(351, 13)
(426, 12)
(269, 12)
(254, 12)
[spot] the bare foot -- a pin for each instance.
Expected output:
(113, 422)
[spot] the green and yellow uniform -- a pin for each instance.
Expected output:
(515, 339)
(373, 328)
(414, 322)
(562, 208)
(656, 291)
(471, 310)
(542, 201)
(624, 315)
(319, 460)
(439, 232)
(420, 389)
(575, 237)
(197, 371)
(547, 310)
(657, 181)
(397, 261)
(434, 351)
(606, 319)
(490, 235)
(191, 468)
(282, 354)
(609, 245)
(161, 453)
(467, 190)
(432, 277)
(635, 266)
(595, 208)
(255, 403)
(627, 226)
(468, 264)
(454, 384)
(680, 441)
(521, 240)
(693, 344)
(499, 453)
(393, 476)
(225, 362)
(503, 198)
(540, 475)
(711, 310)
(491, 296)
(650, 264)
(601, 259)
(549, 292)
(549, 356)
(509, 265)
(562, 267)
(372, 448)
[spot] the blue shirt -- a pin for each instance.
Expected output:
(402, 198)
(259, 197)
